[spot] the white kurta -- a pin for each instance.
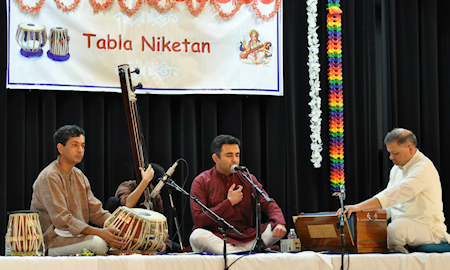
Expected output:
(414, 192)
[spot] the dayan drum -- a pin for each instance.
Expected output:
(143, 229)
(31, 37)
(24, 235)
(59, 43)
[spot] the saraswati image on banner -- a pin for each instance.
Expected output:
(255, 52)
(180, 46)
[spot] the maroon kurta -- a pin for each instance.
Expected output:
(65, 201)
(211, 188)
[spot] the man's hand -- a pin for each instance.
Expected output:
(348, 210)
(369, 204)
(279, 231)
(235, 196)
(106, 234)
(112, 239)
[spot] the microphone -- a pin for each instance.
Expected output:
(236, 168)
(161, 183)
(342, 192)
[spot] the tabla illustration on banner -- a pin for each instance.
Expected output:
(32, 37)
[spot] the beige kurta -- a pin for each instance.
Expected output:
(65, 201)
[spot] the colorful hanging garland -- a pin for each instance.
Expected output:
(314, 83)
(335, 96)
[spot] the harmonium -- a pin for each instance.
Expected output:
(364, 231)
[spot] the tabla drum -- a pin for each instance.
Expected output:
(142, 229)
(24, 235)
(157, 231)
(58, 40)
(31, 37)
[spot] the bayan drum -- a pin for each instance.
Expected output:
(24, 235)
(142, 229)
(59, 44)
(31, 37)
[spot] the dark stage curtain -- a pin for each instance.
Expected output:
(395, 56)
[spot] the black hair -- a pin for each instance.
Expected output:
(64, 133)
(216, 144)
(158, 169)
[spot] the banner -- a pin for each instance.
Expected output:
(206, 47)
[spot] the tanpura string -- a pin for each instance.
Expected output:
(136, 133)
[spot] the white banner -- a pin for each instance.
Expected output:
(176, 52)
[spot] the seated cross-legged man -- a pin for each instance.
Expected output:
(63, 198)
(412, 198)
(229, 195)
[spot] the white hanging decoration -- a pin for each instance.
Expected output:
(314, 82)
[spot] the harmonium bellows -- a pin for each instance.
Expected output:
(364, 232)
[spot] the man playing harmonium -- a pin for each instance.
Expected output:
(412, 198)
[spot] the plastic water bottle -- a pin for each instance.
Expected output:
(7, 247)
(292, 234)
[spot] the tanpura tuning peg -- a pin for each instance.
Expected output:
(139, 85)
(137, 71)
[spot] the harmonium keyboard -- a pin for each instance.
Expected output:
(364, 231)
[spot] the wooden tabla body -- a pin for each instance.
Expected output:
(143, 229)
(24, 235)
(31, 37)
(157, 230)
(59, 43)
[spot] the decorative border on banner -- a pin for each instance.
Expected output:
(34, 9)
(266, 17)
(223, 14)
(335, 97)
(199, 9)
(132, 11)
(164, 8)
(99, 7)
(169, 5)
(63, 7)
(314, 82)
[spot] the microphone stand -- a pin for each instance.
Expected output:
(175, 217)
(260, 246)
(341, 223)
(225, 226)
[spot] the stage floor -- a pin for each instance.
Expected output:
(259, 261)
